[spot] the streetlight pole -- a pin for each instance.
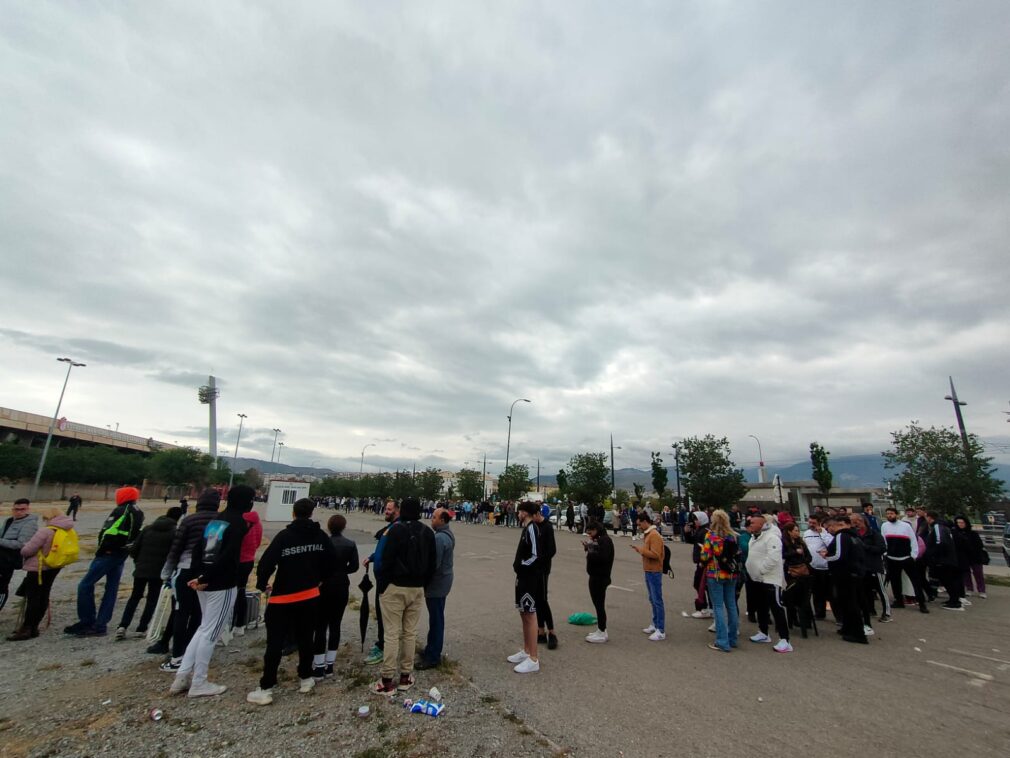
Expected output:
(361, 468)
(508, 440)
(613, 484)
(676, 463)
(761, 460)
(538, 475)
(960, 419)
(274, 448)
(52, 424)
(280, 449)
(483, 480)
(231, 478)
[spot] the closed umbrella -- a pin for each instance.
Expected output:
(364, 585)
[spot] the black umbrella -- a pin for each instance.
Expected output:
(365, 585)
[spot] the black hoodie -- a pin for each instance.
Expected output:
(216, 557)
(303, 556)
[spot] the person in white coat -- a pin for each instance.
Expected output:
(765, 567)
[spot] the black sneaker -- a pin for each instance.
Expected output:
(541, 638)
(158, 648)
(552, 642)
(75, 629)
(318, 673)
(328, 672)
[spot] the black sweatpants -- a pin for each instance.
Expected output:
(847, 606)
(187, 613)
(150, 587)
(5, 583)
(545, 619)
(244, 569)
(297, 620)
(598, 594)
(820, 589)
(332, 603)
(37, 596)
(769, 599)
(911, 568)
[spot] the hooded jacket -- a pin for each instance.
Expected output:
(187, 538)
(151, 548)
(874, 548)
(120, 530)
(253, 537)
(764, 556)
(346, 560)
(302, 555)
(216, 557)
(600, 556)
(974, 548)
(940, 550)
(17, 531)
(846, 556)
(441, 580)
(42, 541)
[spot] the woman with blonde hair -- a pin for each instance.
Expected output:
(38, 584)
(720, 556)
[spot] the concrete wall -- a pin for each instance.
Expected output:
(89, 493)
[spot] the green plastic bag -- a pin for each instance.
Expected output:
(582, 619)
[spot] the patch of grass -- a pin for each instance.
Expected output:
(525, 730)
(372, 752)
(447, 665)
(510, 716)
(50, 666)
(87, 662)
(406, 743)
(382, 727)
(305, 718)
(488, 699)
(999, 581)
(358, 678)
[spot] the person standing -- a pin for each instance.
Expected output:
(38, 584)
(765, 566)
(599, 565)
(529, 589)
(697, 530)
(73, 506)
(406, 568)
(19, 527)
(846, 563)
(116, 535)
(796, 561)
(570, 517)
(975, 556)
(719, 558)
(437, 590)
(303, 557)
(870, 518)
(148, 552)
(333, 598)
(246, 557)
(216, 562)
(818, 539)
(392, 515)
(941, 557)
(902, 558)
(651, 551)
(874, 548)
(548, 549)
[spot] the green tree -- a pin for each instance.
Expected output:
(639, 491)
(562, 482)
(469, 484)
(430, 483)
(659, 475)
(821, 469)
(621, 498)
(253, 478)
(180, 466)
(708, 474)
(932, 471)
(403, 485)
(95, 465)
(18, 462)
(589, 477)
(514, 481)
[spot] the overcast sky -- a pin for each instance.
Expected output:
(383, 222)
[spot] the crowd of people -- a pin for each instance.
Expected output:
(786, 578)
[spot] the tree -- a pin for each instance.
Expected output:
(469, 484)
(95, 465)
(639, 491)
(621, 498)
(403, 485)
(659, 475)
(18, 462)
(430, 483)
(932, 470)
(589, 477)
(514, 481)
(708, 474)
(822, 472)
(562, 482)
(182, 465)
(253, 478)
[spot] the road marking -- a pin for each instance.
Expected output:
(622, 589)
(975, 674)
(976, 655)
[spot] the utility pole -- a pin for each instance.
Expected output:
(52, 424)
(274, 448)
(538, 475)
(508, 440)
(231, 478)
(960, 419)
(676, 463)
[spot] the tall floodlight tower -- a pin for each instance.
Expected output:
(208, 396)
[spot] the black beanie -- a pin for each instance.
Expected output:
(240, 497)
(209, 497)
(410, 509)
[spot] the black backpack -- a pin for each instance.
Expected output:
(413, 558)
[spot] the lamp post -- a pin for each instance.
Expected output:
(361, 468)
(761, 460)
(676, 463)
(960, 419)
(508, 440)
(280, 448)
(274, 448)
(613, 485)
(52, 424)
(231, 478)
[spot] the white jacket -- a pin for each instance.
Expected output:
(764, 557)
(817, 541)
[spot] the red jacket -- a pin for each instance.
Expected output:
(253, 538)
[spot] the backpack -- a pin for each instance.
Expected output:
(667, 568)
(413, 558)
(729, 560)
(64, 550)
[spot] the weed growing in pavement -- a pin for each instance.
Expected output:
(488, 699)
(87, 662)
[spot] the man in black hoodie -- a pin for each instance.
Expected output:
(846, 562)
(148, 552)
(405, 568)
(215, 560)
(303, 556)
(941, 557)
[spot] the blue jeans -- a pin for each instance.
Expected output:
(110, 568)
(436, 629)
(723, 594)
(654, 585)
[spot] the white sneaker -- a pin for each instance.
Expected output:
(597, 636)
(649, 629)
(239, 631)
(783, 646)
(657, 636)
(207, 689)
(305, 685)
(120, 633)
(260, 697)
(712, 628)
(527, 666)
(965, 603)
(868, 631)
(702, 614)
(180, 684)
(967, 593)
(760, 637)
(519, 657)
(983, 595)
(226, 635)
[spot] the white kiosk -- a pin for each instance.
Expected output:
(282, 496)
